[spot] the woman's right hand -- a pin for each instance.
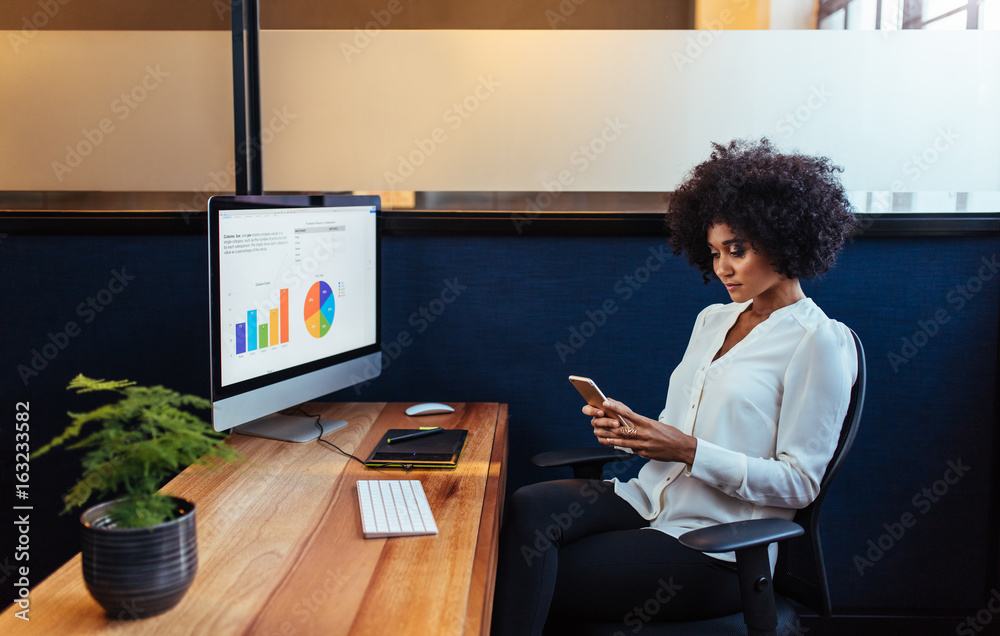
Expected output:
(605, 426)
(643, 436)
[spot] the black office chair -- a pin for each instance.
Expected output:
(799, 573)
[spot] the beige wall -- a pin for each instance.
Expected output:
(497, 110)
(732, 14)
(755, 14)
(119, 110)
(109, 15)
(190, 15)
(626, 111)
(794, 14)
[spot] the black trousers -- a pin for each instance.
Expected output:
(575, 548)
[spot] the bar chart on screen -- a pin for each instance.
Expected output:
(255, 334)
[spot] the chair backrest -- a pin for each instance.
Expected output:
(800, 573)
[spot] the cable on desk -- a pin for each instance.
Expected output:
(323, 441)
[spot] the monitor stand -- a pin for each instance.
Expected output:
(288, 428)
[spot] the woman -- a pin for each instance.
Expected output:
(752, 415)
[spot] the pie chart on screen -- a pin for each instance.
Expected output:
(319, 309)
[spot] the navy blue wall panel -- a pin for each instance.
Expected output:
(895, 528)
(507, 319)
(137, 306)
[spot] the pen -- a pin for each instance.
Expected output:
(403, 438)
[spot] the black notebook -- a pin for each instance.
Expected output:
(440, 450)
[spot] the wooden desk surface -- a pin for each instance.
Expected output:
(281, 550)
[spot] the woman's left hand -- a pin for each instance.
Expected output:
(645, 437)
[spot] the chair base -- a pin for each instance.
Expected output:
(733, 625)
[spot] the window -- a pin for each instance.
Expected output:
(909, 14)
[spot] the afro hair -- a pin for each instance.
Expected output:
(791, 206)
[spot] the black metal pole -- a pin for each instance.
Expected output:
(246, 97)
(239, 99)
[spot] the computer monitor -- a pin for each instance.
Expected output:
(295, 307)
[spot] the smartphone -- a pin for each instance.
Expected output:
(592, 394)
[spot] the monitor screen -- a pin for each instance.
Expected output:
(295, 307)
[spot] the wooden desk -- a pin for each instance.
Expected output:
(281, 550)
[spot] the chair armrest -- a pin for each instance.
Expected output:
(739, 535)
(586, 463)
(749, 539)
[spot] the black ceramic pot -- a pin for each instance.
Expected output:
(139, 572)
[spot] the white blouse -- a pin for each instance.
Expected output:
(767, 416)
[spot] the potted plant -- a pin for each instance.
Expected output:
(140, 551)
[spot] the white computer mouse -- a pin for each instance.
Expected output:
(429, 408)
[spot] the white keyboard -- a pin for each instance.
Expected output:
(394, 508)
